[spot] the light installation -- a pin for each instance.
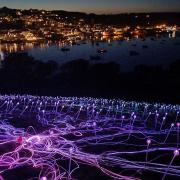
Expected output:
(56, 136)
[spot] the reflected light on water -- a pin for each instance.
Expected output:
(174, 34)
(1, 56)
(18, 47)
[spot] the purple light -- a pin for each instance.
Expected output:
(43, 178)
(176, 152)
(148, 141)
(100, 133)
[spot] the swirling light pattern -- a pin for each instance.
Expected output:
(58, 135)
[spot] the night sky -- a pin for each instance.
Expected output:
(97, 6)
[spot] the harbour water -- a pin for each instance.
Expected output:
(128, 53)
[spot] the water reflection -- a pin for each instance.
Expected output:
(14, 47)
(18, 47)
(172, 34)
(1, 56)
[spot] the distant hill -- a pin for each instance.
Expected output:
(123, 19)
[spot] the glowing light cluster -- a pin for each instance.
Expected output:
(121, 139)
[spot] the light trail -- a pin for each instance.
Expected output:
(58, 135)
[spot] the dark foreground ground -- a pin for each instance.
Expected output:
(21, 74)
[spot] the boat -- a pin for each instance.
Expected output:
(95, 57)
(152, 39)
(145, 46)
(65, 49)
(101, 51)
(134, 45)
(97, 44)
(74, 43)
(177, 44)
(133, 53)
